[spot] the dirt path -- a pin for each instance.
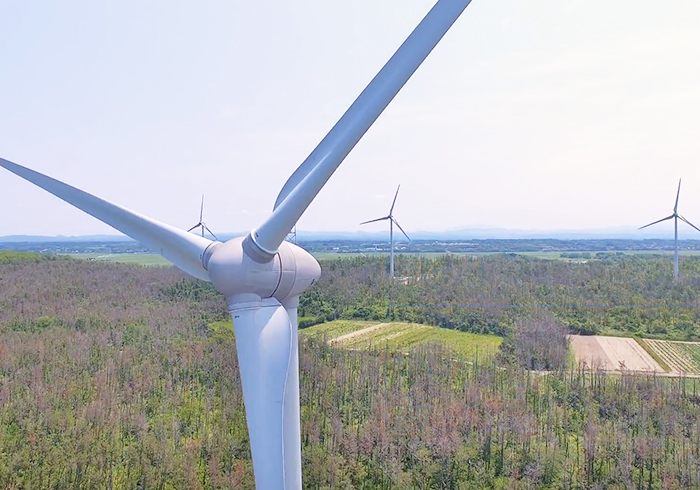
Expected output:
(613, 353)
(357, 333)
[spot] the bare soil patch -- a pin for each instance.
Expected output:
(613, 353)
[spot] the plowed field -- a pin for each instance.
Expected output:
(613, 354)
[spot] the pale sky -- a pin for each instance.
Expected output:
(559, 114)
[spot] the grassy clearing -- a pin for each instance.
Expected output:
(221, 330)
(406, 336)
(337, 328)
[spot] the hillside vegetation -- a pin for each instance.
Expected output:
(116, 376)
(629, 295)
(9, 257)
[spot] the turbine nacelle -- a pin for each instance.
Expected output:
(241, 279)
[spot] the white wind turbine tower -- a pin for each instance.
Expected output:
(675, 216)
(392, 222)
(201, 223)
(260, 274)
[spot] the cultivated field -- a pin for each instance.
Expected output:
(643, 355)
(613, 354)
(679, 357)
(402, 336)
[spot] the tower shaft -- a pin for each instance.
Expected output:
(675, 258)
(391, 253)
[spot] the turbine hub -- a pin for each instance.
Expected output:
(242, 279)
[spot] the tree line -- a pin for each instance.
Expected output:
(621, 294)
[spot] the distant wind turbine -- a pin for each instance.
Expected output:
(675, 216)
(392, 222)
(201, 223)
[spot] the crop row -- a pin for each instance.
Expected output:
(680, 356)
(404, 337)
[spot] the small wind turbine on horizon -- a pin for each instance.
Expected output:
(392, 222)
(675, 216)
(201, 223)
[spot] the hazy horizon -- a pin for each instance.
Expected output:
(475, 233)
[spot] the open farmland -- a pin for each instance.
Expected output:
(643, 355)
(613, 354)
(350, 334)
(680, 357)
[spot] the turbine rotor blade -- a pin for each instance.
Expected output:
(183, 249)
(678, 194)
(265, 346)
(688, 222)
(195, 226)
(375, 220)
(391, 211)
(663, 219)
(310, 177)
(399, 226)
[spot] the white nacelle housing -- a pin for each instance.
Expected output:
(290, 272)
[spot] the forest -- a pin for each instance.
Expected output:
(117, 376)
(630, 295)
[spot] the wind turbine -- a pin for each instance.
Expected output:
(201, 223)
(675, 216)
(392, 222)
(261, 275)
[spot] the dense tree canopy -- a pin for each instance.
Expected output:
(620, 294)
(115, 376)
